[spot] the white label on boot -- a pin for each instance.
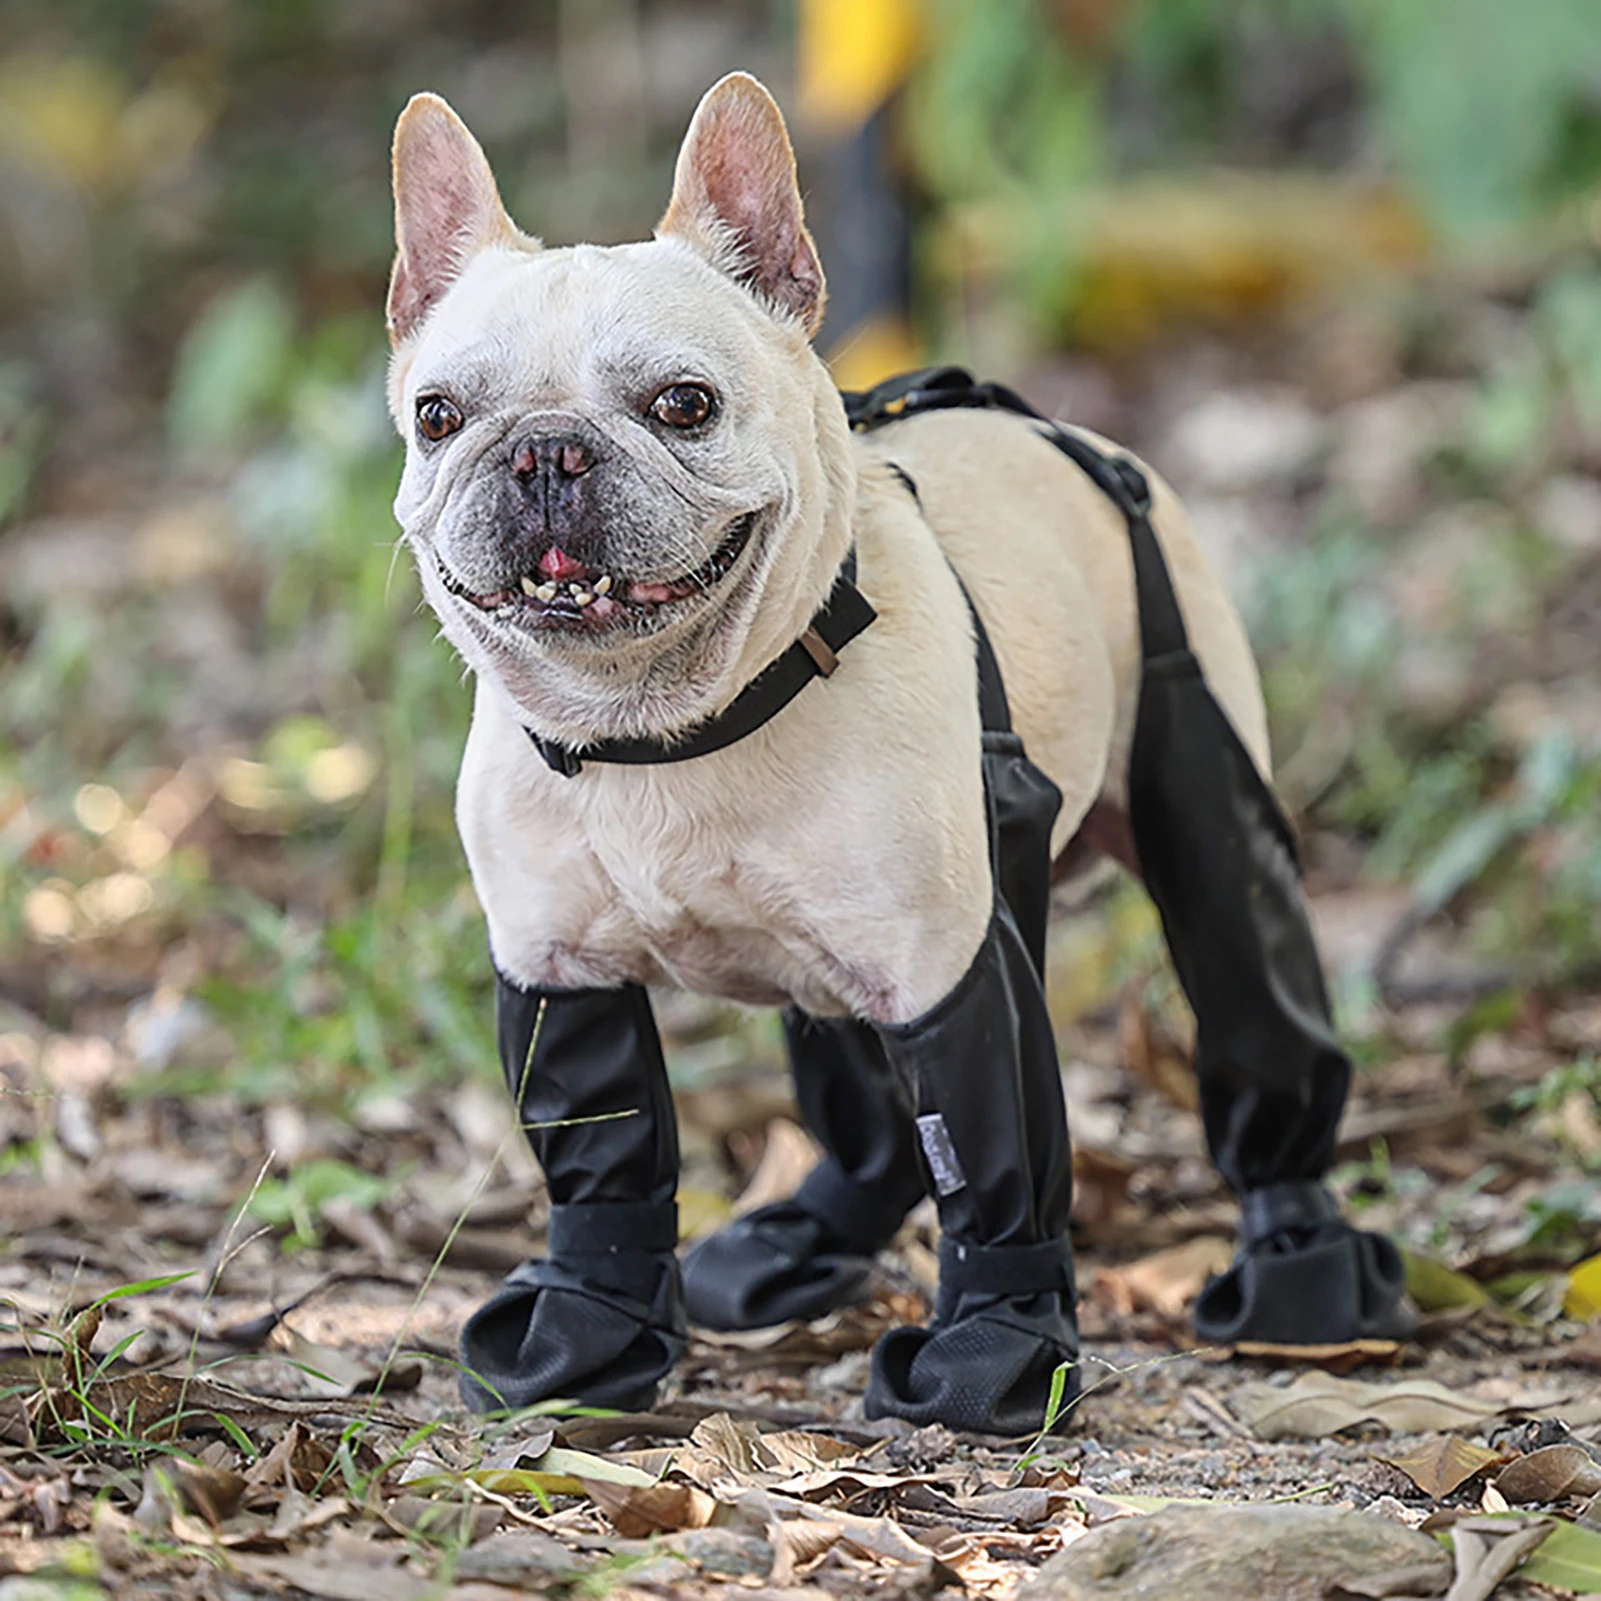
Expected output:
(940, 1154)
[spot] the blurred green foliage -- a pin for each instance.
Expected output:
(1488, 112)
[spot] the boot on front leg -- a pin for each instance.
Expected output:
(993, 1129)
(600, 1319)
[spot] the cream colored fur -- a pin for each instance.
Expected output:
(836, 858)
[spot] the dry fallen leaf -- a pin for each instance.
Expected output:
(1443, 1463)
(1021, 1509)
(798, 1451)
(1550, 1474)
(788, 1156)
(880, 1536)
(1318, 1404)
(826, 1484)
(1487, 1550)
(213, 1492)
(722, 1447)
(344, 1580)
(639, 1510)
(296, 1462)
(1166, 1281)
(1340, 1358)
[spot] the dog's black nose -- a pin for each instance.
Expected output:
(554, 455)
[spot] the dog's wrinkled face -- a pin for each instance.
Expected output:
(613, 454)
(605, 471)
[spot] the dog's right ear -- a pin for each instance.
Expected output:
(447, 208)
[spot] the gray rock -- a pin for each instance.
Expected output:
(723, 1551)
(1258, 1553)
(521, 1556)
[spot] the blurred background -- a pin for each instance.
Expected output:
(1334, 266)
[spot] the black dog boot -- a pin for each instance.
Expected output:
(993, 1129)
(1304, 1276)
(811, 1254)
(601, 1319)
(1219, 859)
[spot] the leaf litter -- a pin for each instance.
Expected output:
(290, 1416)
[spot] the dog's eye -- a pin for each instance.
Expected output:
(683, 405)
(437, 417)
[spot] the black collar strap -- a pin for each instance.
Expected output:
(815, 654)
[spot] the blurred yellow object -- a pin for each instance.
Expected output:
(853, 55)
(1583, 1300)
(63, 114)
(873, 351)
(1127, 263)
(72, 118)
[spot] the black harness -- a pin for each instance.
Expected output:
(847, 612)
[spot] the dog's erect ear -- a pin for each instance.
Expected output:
(735, 198)
(446, 209)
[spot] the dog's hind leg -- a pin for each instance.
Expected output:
(807, 1255)
(1219, 860)
(601, 1318)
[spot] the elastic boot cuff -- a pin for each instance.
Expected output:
(989, 1370)
(1006, 1269)
(593, 1323)
(1324, 1284)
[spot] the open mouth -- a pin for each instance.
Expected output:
(564, 591)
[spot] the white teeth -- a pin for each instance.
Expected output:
(529, 586)
(581, 597)
(603, 584)
(544, 592)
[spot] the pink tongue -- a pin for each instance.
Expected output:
(558, 565)
(653, 593)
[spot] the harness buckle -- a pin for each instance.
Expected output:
(820, 651)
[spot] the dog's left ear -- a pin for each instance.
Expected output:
(736, 199)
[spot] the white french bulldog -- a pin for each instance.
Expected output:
(631, 488)
(629, 484)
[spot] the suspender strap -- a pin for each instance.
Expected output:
(995, 714)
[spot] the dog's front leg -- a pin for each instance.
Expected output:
(981, 1070)
(982, 1067)
(601, 1318)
